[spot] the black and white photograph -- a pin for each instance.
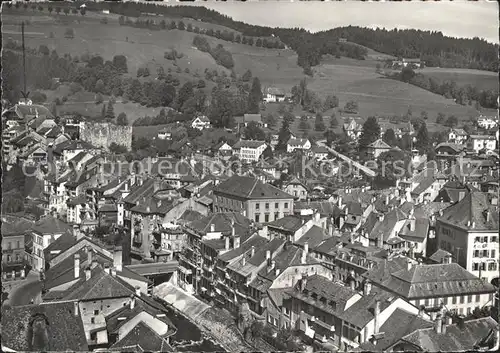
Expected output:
(250, 176)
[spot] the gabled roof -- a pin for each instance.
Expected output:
(248, 144)
(457, 148)
(289, 223)
(222, 223)
(362, 311)
(328, 246)
(145, 338)
(314, 236)
(297, 142)
(276, 91)
(420, 231)
(50, 225)
(379, 144)
(256, 241)
(250, 188)
(455, 339)
(439, 256)
(475, 208)
(289, 257)
(72, 145)
(65, 330)
(385, 227)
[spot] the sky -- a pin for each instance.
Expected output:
(459, 18)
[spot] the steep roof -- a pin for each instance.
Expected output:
(289, 223)
(145, 338)
(276, 91)
(362, 312)
(248, 144)
(385, 227)
(297, 142)
(65, 329)
(421, 228)
(314, 236)
(14, 225)
(474, 209)
(222, 223)
(250, 188)
(379, 144)
(455, 339)
(50, 225)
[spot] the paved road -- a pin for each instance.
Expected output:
(23, 294)
(357, 165)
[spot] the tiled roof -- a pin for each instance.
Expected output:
(475, 208)
(419, 232)
(248, 144)
(50, 225)
(297, 142)
(276, 91)
(190, 216)
(440, 280)
(260, 253)
(222, 222)
(439, 256)
(362, 312)
(455, 339)
(72, 145)
(314, 236)
(379, 144)
(290, 256)
(385, 227)
(457, 148)
(255, 241)
(81, 199)
(14, 225)
(288, 223)
(325, 208)
(328, 246)
(250, 188)
(144, 337)
(398, 325)
(65, 331)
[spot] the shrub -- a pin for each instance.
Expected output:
(64, 99)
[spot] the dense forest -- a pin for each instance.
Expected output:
(432, 47)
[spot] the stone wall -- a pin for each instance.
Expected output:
(104, 134)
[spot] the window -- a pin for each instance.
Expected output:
(492, 266)
(426, 302)
(267, 205)
(468, 311)
(96, 312)
(9, 245)
(493, 253)
(257, 206)
(494, 239)
(475, 266)
(92, 320)
(266, 218)
(93, 336)
(476, 253)
(485, 253)
(286, 204)
(276, 205)
(469, 299)
(19, 246)
(462, 299)
(276, 215)
(9, 258)
(445, 301)
(478, 297)
(286, 312)
(257, 218)
(454, 300)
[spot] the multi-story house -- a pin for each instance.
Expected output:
(8, 135)
(353, 129)
(458, 136)
(249, 150)
(487, 122)
(333, 315)
(469, 230)
(200, 122)
(273, 95)
(252, 198)
(376, 148)
(14, 257)
(298, 144)
(478, 143)
(434, 286)
(422, 186)
(205, 239)
(44, 232)
(171, 239)
(448, 152)
(297, 188)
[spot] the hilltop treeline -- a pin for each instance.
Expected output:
(432, 47)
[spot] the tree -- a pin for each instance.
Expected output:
(370, 132)
(120, 63)
(181, 26)
(83, 11)
(160, 72)
(422, 143)
(319, 124)
(331, 101)
(330, 137)
(184, 94)
(389, 137)
(452, 121)
(66, 11)
(44, 50)
(246, 76)
(117, 149)
(334, 122)
(424, 115)
(254, 132)
(270, 120)
(122, 119)
(201, 84)
(303, 123)
(50, 9)
(268, 153)
(407, 74)
(255, 97)
(98, 98)
(58, 10)
(99, 86)
(69, 33)
(440, 118)
(351, 107)
(283, 136)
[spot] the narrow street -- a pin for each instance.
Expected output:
(22, 293)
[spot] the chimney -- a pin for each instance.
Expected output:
(89, 256)
(376, 317)
(252, 251)
(113, 272)
(236, 242)
(448, 320)
(212, 227)
(381, 217)
(352, 284)
(138, 291)
(227, 243)
(304, 253)
(421, 311)
(461, 195)
(340, 201)
(273, 264)
(488, 216)
(412, 224)
(76, 232)
(106, 268)
(408, 265)
(387, 199)
(380, 241)
(118, 258)
(346, 211)
(77, 266)
(132, 302)
(87, 273)
(243, 260)
(277, 272)
(268, 255)
(367, 288)
(303, 283)
(75, 308)
(438, 325)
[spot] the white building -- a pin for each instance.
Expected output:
(298, 144)
(487, 122)
(200, 123)
(482, 142)
(458, 136)
(469, 231)
(249, 150)
(45, 232)
(273, 95)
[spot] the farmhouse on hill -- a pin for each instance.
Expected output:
(273, 95)
(200, 122)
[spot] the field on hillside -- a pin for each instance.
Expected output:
(483, 80)
(348, 79)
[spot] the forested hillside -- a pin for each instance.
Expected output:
(432, 47)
